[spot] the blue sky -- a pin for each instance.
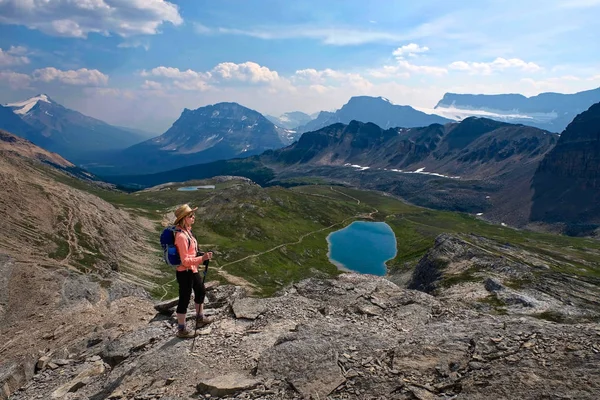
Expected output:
(138, 63)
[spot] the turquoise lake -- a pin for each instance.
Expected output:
(192, 188)
(363, 247)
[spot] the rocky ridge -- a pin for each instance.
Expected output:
(352, 337)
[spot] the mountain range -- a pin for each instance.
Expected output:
(464, 304)
(507, 173)
(550, 111)
(377, 110)
(476, 156)
(62, 130)
(476, 148)
(478, 165)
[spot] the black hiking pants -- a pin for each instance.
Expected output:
(187, 281)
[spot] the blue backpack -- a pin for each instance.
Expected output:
(167, 241)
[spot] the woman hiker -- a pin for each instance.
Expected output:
(188, 276)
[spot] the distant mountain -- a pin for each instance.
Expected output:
(377, 110)
(68, 132)
(478, 165)
(290, 120)
(567, 181)
(215, 132)
(476, 148)
(550, 111)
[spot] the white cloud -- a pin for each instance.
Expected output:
(13, 56)
(403, 68)
(499, 64)
(226, 72)
(388, 71)
(15, 80)
(202, 29)
(77, 18)
(411, 50)
(134, 44)
(185, 80)
(561, 84)
(319, 79)
(152, 85)
(80, 77)
(337, 36)
(248, 71)
(111, 92)
(330, 36)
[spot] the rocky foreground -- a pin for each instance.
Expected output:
(354, 337)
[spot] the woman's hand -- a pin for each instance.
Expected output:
(207, 256)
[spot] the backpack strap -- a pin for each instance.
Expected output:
(189, 239)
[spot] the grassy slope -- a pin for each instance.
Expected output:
(238, 221)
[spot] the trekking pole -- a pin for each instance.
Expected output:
(205, 263)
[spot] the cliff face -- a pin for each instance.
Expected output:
(567, 181)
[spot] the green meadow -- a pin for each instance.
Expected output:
(274, 236)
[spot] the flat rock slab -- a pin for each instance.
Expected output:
(80, 380)
(226, 385)
(250, 308)
(310, 365)
(119, 349)
(166, 306)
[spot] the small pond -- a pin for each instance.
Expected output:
(363, 247)
(192, 188)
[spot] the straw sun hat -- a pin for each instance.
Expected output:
(183, 212)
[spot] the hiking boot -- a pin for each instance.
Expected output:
(185, 334)
(204, 321)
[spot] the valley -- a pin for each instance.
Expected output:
(95, 248)
(401, 201)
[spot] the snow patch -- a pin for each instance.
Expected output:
(360, 167)
(24, 107)
(418, 171)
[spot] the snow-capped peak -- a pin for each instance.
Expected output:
(23, 107)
